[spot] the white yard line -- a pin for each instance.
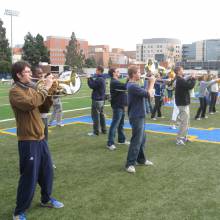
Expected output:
(62, 102)
(4, 105)
(71, 110)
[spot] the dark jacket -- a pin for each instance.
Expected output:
(136, 100)
(97, 84)
(182, 90)
(118, 93)
(159, 87)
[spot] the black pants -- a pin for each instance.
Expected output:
(214, 96)
(157, 106)
(202, 108)
(35, 167)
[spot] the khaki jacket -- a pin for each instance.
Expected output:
(25, 102)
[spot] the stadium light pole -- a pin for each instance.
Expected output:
(11, 13)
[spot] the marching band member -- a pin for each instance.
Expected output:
(45, 107)
(159, 87)
(214, 95)
(118, 103)
(203, 91)
(97, 84)
(35, 160)
(182, 99)
(136, 114)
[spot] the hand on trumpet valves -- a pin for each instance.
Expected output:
(49, 81)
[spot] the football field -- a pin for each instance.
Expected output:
(183, 184)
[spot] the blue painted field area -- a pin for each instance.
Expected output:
(202, 135)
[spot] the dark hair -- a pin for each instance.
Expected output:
(100, 68)
(132, 70)
(36, 70)
(111, 71)
(177, 69)
(18, 67)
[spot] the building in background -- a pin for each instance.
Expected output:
(159, 49)
(100, 53)
(211, 50)
(57, 48)
(117, 56)
(17, 53)
(204, 54)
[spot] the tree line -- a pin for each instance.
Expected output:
(34, 51)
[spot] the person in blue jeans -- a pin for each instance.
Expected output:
(118, 103)
(136, 114)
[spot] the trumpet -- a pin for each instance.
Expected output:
(68, 83)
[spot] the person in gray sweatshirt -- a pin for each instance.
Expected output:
(203, 90)
(213, 96)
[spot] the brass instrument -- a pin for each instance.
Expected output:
(68, 83)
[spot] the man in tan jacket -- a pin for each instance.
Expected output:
(35, 160)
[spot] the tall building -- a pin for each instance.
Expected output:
(211, 50)
(189, 52)
(205, 50)
(57, 48)
(159, 49)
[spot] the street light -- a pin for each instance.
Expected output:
(11, 13)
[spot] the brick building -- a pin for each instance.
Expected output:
(100, 54)
(57, 48)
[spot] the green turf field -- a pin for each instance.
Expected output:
(183, 184)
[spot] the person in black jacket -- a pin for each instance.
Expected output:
(118, 103)
(97, 84)
(182, 99)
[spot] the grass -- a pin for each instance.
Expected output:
(90, 180)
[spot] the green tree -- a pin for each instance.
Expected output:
(90, 62)
(5, 66)
(34, 50)
(5, 52)
(74, 56)
(44, 53)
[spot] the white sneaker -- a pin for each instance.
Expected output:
(198, 119)
(112, 147)
(173, 127)
(126, 143)
(60, 125)
(92, 134)
(154, 119)
(180, 142)
(131, 169)
(148, 163)
(211, 113)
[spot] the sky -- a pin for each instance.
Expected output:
(117, 23)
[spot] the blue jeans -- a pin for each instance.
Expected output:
(117, 122)
(137, 145)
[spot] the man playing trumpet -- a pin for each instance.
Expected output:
(182, 99)
(136, 115)
(35, 160)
